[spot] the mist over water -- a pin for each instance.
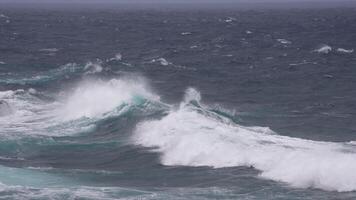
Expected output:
(177, 104)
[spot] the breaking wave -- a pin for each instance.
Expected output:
(91, 99)
(191, 135)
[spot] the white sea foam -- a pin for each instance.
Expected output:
(284, 41)
(49, 50)
(5, 108)
(117, 57)
(91, 99)
(29, 115)
(341, 50)
(162, 61)
(93, 67)
(186, 33)
(230, 19)
(325, 49)
(192, 136)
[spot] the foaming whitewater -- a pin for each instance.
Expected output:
(194, 136)
(26, 114)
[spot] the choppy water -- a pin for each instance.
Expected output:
(195, 104)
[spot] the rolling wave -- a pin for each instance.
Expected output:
(192, 136)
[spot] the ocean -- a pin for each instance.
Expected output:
(177, 104)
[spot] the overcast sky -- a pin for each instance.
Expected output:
(161, 1)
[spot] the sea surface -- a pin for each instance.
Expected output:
(177, 104)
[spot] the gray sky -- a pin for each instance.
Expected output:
(163, 1)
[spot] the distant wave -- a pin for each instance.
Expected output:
(62, 72)
(341, 50)
(284, 41)
(324, 49)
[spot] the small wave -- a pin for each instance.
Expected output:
(229, 19)
(324, 49)
(284, 41)
(117, 57)
(49, 50)
(341, 50)
(162, 61)
(186, 33)
(191, 136)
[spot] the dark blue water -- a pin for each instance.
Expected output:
(174, 104)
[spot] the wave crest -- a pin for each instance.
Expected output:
(91, 99)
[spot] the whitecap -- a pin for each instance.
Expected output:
(117, 57)
(325, 49)
(186, 33)
(284, 41)
(162, 61)
(341, 50)
(230, 19)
